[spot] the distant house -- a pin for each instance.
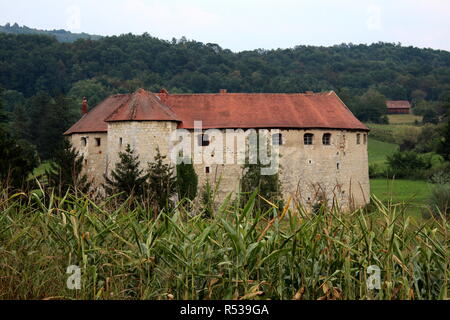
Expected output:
(399, 107)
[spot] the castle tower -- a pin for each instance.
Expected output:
(145, 123)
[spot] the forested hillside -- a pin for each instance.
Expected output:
(33, 63)
(44, 79)
(60, 35)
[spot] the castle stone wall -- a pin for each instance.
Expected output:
(309, 173)
(143, 136)
(94, 155)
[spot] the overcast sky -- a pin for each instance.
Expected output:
(246, 24)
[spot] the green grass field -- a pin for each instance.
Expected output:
(404, 119)
(409, 193)
(378, 150)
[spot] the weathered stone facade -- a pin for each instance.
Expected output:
(93, 147)
(308, 173)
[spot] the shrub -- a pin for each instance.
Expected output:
(407, 164)
(187, 180)
(382, 134)
(376, 171)
(207, 200)
(439, 200)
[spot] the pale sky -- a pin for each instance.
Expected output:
(246, 24)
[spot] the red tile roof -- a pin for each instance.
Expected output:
(401, 104)
(227, 110)
(142, 106)
(93, 121)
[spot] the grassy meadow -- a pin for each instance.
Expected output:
(412, 195)
(378, 150)
(404, 119)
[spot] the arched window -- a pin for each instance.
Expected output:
(326, 139)
(358, 138)
(308, 139)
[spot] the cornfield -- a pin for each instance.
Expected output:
(124, 252)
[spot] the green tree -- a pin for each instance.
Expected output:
(17, 160)
(407, 164)
(66, 170)
(268, 186)
(127, 178)
(3, 114)
(371, 107)
(50, 118)
(430, 116)
(92, 89)
(207, 200)
(187, 180)
(161, 181)
(444, 145)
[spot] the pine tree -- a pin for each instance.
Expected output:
(126, 178)
(268, 186)
(66, 170)
(17, 160)
(3, 114)
(161, 180)
(187, 180)
(207, 200)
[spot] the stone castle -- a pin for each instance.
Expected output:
(322, 146)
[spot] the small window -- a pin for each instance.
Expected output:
(277, 139)
(120, 141)
(358, 138)
(84, 141)
(365, 139)
(308, 139)
(326, 140)
(203, 140)
(338, 166)
(207, 170)
(98, 142)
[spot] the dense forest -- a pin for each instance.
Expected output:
(60, 35)
(43, 80)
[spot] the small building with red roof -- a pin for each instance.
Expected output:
(398, 107)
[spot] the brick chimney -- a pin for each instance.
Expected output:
(223, 91)
(163, 94)
(84, 107)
